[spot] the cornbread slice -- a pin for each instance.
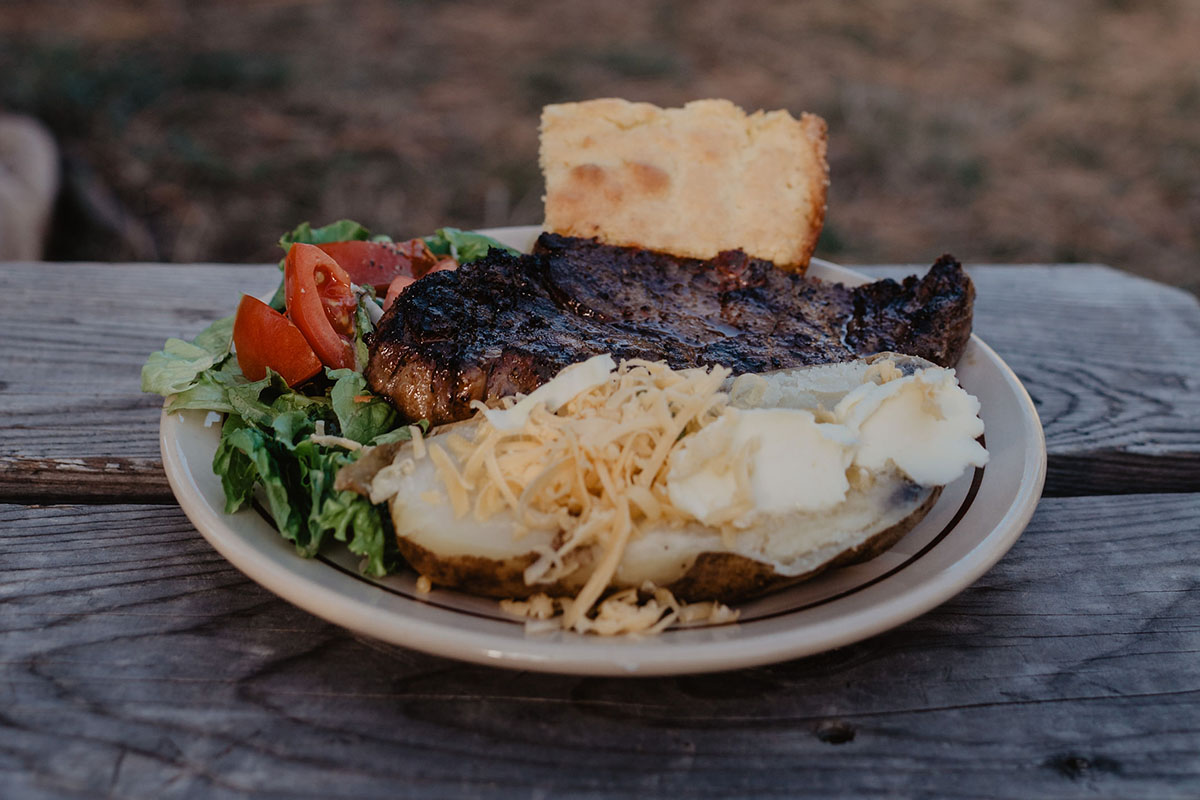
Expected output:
(690, 181)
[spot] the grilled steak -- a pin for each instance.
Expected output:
(506, 324)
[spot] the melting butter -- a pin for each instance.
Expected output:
(925, 424)
(751, 463)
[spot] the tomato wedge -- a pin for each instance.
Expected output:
(262, 337)
(379, 263)
(319, 300)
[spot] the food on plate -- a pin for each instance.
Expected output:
(402, 282)
(639, 476)
(507, 323)
(692, 181)
(652, 414)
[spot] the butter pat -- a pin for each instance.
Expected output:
(751, 463)
(925, 424)
(555, 393)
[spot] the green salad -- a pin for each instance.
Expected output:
(267, 447)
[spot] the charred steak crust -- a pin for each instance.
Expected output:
(928, 316)
(506, 324)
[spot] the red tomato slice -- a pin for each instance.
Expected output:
(262, 337)
(320, 301)
(379, 263)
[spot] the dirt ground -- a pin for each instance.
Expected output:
(999, 130)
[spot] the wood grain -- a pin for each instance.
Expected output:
(70, 392)
(134, 661)
(66, 479)
(106, 318)
(1119, 472)
(1112, 362)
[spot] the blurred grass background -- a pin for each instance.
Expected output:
(999, 130)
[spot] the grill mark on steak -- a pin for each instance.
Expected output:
(506, 324)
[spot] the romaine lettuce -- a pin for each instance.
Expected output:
(180, 363)
(268, 442)
(344, 230)
(463, 246)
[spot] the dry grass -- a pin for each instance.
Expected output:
(1000, 130)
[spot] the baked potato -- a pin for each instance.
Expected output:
(695, 555)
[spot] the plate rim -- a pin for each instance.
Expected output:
(283, 578)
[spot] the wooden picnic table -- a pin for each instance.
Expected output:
(136, 662)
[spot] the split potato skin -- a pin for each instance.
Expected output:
(733, 578)
(701, 566)
(726, 577)
(487, 577)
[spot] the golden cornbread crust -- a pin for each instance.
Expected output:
(690, 181)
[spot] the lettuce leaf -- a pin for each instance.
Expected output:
(365, 528)
(361, 415)
(209, 391)
(260, 402)
(266, 449)
(250, 456)
(363, 327)
(238, 473)
(178, 366)
(463, 246)
(278, 300)
(399, 434)
(344, 230)
(350, 517)
(297, 477)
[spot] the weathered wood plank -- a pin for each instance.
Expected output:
(75, 480)
(70, 390)
(106, 318)
(135, 662)
(1112, 361)
(1119, 472)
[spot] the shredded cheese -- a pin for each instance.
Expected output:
(335, 441)
(593, 469)
(418, 441)
(320, 437)
(631, 612)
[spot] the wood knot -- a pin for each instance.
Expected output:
(835, 732)
(1074, 766)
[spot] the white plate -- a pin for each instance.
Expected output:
(975, 522)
